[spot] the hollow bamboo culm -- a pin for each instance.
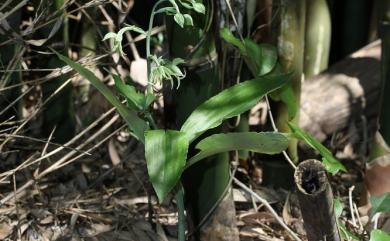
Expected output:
(316, 201)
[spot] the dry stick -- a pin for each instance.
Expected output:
(62, 162)
(47, 142)
(350, 190)
(35, 112)
(16, 100)
(267, 206)
(63, 70)
(74, 139)
(271, 117)
(316, 201)
(17, 209)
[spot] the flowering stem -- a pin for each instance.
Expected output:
(148, 35)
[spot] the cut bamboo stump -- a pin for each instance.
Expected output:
(316, 201)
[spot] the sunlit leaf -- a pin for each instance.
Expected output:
(379, 235)
(136, 124)
(198, 7)
(109, 36)
(179, 19)
(188, 20)
(229, 103)
(166, 153)
(263, 142)
(134, 98)
(118, 37)
(286, 95)
(331, 164)
(380, 203)
(227, 35)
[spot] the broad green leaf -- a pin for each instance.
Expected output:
(379, 235)
(134, 98)
(262, 56)
(269, 58)
(331, 164)
(166, 154)
(263, 142)
(198, 7)
(229, 103)
(188, 20)
(229, 37)
(286, 95)
(186, 5)
(380, 203)
(136, 124)
(179, 19)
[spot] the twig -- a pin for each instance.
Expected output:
(267, 206)
(271, 117)
(350, 190)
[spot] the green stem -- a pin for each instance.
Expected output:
(148, 35)
(181, 217)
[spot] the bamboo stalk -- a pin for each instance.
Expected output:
(316, 201)
(290, 41)
(317, 37)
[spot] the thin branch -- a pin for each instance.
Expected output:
(271, 117)
(267, 206)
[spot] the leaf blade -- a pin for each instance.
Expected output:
(379, 235)
(331, 164)
(136, 124)
(262, 142)
(166, 153)
(229, 103)
(380, 203)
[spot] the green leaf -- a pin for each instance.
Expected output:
(188, 20)
(131, 28)
(269, 58)
(338, 207)
(136, 99)
(136, 124)
(379, 235)
(198, 7)
(380, 203)
(166, 153)
(229, 37)
(109, 35)
(229, 103)
(286, 95)
(262, 58)
(331, 164)
(263, 142)
(179, 19)
(118, 37)
(133, 97)
(186, 5)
